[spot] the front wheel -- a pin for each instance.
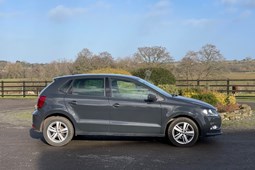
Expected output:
(57, 131)
(183, 132)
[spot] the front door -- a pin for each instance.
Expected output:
(131, 113)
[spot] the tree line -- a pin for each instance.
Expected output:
(206, 63)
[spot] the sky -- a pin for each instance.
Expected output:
(42, 31)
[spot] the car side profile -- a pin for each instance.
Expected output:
(120, 105)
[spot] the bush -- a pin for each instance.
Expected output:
(188, 92)
(111, 71)
(221, 101)
(221, 98)
(155, 75)
(206, 97)
(231, 100)
(227, 108)
(172, 89)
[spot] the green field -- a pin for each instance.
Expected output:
(240, 75)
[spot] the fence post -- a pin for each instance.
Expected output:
(198, 82)
(24, 89)
(227, 86)
(2, 88)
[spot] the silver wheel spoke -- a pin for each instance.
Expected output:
(57, 132)
(58, 124)
(65, 130)
(189, 133)
(52, 129)
(178, 129)
(60, 137)
(54, 135)
(177, 136)
(185, 139)
(185, 126)
(183, 133)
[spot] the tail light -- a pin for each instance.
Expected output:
(41, 101)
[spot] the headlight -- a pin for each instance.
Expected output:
(210, 112)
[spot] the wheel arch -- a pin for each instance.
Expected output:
(185, 116)
(56, 114)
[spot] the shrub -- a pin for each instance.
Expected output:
(206, 97)
(227, 108)
(111, 70)
(188, 92)
(155, 75)
(231, 99)
(221, 98)
(172, 89)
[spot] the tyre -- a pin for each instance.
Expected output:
(58, 131)
(183, 132)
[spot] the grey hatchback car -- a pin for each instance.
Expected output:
(120, 105)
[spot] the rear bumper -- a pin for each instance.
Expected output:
(37, 121)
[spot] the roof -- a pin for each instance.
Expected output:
(96, 75)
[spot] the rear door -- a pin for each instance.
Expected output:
(88, 103)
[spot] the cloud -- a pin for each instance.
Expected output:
(242, 16)
(241, 9)
(62, 13)
(243, 3)
(162, 7)
(156, 17)
(198, 22)
(9, 14)
(246, 14)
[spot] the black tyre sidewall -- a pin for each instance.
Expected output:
(69, 125)
(178, 120)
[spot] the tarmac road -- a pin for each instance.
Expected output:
(23, 148)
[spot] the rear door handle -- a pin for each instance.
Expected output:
(116, 105)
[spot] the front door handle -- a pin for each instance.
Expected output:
(116, 105)
(73, 102)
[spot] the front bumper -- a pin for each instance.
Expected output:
(212, 126)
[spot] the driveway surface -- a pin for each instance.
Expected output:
(23, 148)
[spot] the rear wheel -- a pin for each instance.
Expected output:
(58, 131)
(183, 132)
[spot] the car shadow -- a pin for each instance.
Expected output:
(37, 135)
(95, 138)
(34, 134)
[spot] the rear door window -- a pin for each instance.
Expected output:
(88, 87)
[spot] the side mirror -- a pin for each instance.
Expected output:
(151, 98)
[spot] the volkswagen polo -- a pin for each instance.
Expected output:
(120, 105)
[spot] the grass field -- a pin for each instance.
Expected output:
(247, 123)
(240, 75)
(246, 99)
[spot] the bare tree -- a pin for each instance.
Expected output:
(188, 66)
(58, 68)
(82, 63)
(153, 55)
(127, 63)
(15, 70)
(87, 61)
(102, 60)
(204, 64)
(211, 61)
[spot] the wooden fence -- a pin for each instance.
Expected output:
(239, 87)
(22, 88)
(244, 87)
